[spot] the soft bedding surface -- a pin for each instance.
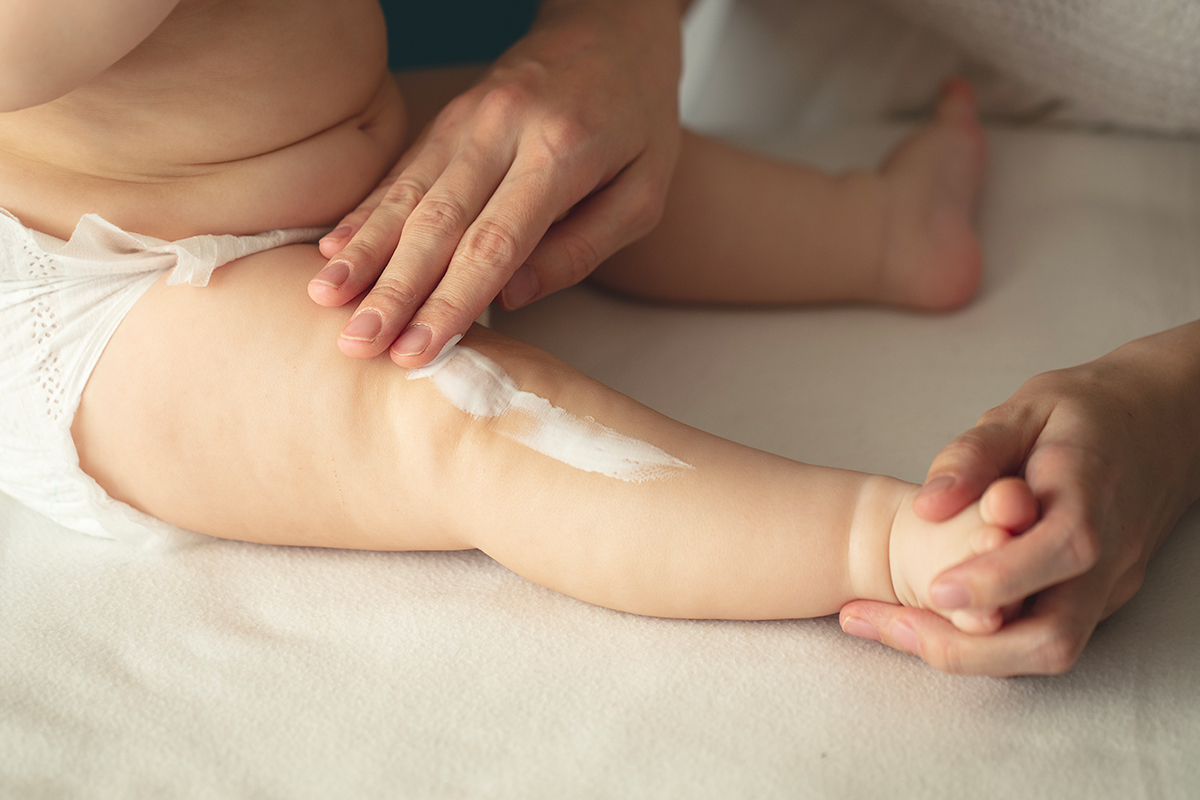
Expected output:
(233, 670)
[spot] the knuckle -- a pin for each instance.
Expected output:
(392, 293)
(490, 242)
(502, 103)
(365, 252)
(436, 216)
(996, 415)
(405, 193)
(969, 447)
(444, 307)
(1080, 546)
(945, 656)
(561, 137)
(579, 257)
(1059, 651)
(648, 212)
(1013, 414)
(1041, 382)
(1057, 383)
(358, 217)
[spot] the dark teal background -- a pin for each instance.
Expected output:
(443, 32)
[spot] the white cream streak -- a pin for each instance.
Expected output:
(477, 385)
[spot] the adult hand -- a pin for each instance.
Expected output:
(1111, 450)
(521, 186)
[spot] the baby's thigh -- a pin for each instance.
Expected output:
(230, 410)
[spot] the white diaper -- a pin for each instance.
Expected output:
(60, 303)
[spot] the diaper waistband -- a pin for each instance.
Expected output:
(97, 247)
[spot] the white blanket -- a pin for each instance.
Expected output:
(232, 670)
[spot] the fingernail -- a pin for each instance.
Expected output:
(906, 637)
(861, 628)
(521, 287)
(334, 274)
(364, 328)
(936, 486)
(413, 341)
(949, 596)
(340, 232)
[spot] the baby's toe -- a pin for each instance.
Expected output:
(957, 102)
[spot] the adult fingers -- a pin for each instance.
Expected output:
(428, 238)
(622, 212)
(535, 191)
(1048, 641)
(343, 233)
(1043, 556)
(964, 469)
(336, 240)
(1062, 545)
(1008, 507)
(363, 242)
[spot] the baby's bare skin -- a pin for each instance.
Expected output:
(899, 236)
(229, 409)
(197, 416)
(233, 116)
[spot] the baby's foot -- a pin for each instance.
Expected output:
(932, 181)
(919, 551)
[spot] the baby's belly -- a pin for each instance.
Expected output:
(310, 182)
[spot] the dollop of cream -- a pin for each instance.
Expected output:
(475, 384)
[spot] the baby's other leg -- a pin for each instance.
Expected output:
(743, 228)
(919, 551)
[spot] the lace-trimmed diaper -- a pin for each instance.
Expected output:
(60, 303)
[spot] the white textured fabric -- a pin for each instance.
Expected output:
(229, 670)
(60, 303)
(1134, 63)
(814, 65)
(234, 670)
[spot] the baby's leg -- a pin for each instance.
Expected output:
(744, 228)
(229, 410)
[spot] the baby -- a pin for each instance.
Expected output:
(144, 144)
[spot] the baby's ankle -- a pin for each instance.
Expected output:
(880, 500)
(867, 192)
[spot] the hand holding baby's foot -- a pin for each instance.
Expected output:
(919, 551)
(932, 182)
